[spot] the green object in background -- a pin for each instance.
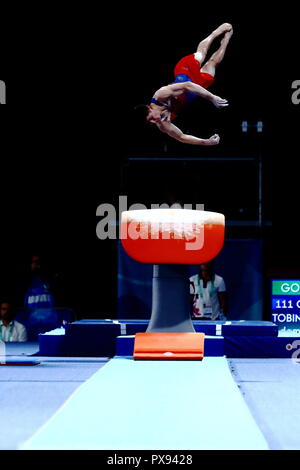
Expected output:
(286, 287)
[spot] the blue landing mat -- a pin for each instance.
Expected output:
(156, 411)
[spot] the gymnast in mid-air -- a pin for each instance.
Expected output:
(192, 78)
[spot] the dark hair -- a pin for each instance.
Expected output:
(210, 266)
(9, 302)
(142, 109)
(12, 309)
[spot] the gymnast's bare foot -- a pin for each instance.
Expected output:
(227, 27)
(228, 34)
(223, 28)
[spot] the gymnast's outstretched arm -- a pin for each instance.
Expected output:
(169, 128)
(176, 89)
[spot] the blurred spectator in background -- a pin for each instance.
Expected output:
(38, 293)
(42, 307)
(208, 292)
(10, 329)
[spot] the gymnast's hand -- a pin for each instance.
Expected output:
(213, 140)
(219, 102)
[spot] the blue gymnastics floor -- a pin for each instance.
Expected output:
(30, 395)
(266, 390)
(271, 389)
(148, 405)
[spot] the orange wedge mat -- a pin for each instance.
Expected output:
(169, 346)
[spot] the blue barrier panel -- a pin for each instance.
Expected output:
(211, 328)
(91, 339)
(98, 338)
(249, 328)
(260, 346)
(52, 343)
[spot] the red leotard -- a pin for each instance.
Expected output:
(191, 68)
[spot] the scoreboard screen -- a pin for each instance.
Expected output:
(285, 303)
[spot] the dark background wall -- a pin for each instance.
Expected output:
(73, 78)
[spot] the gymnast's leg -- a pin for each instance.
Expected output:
(217, 57)
(206, 43)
